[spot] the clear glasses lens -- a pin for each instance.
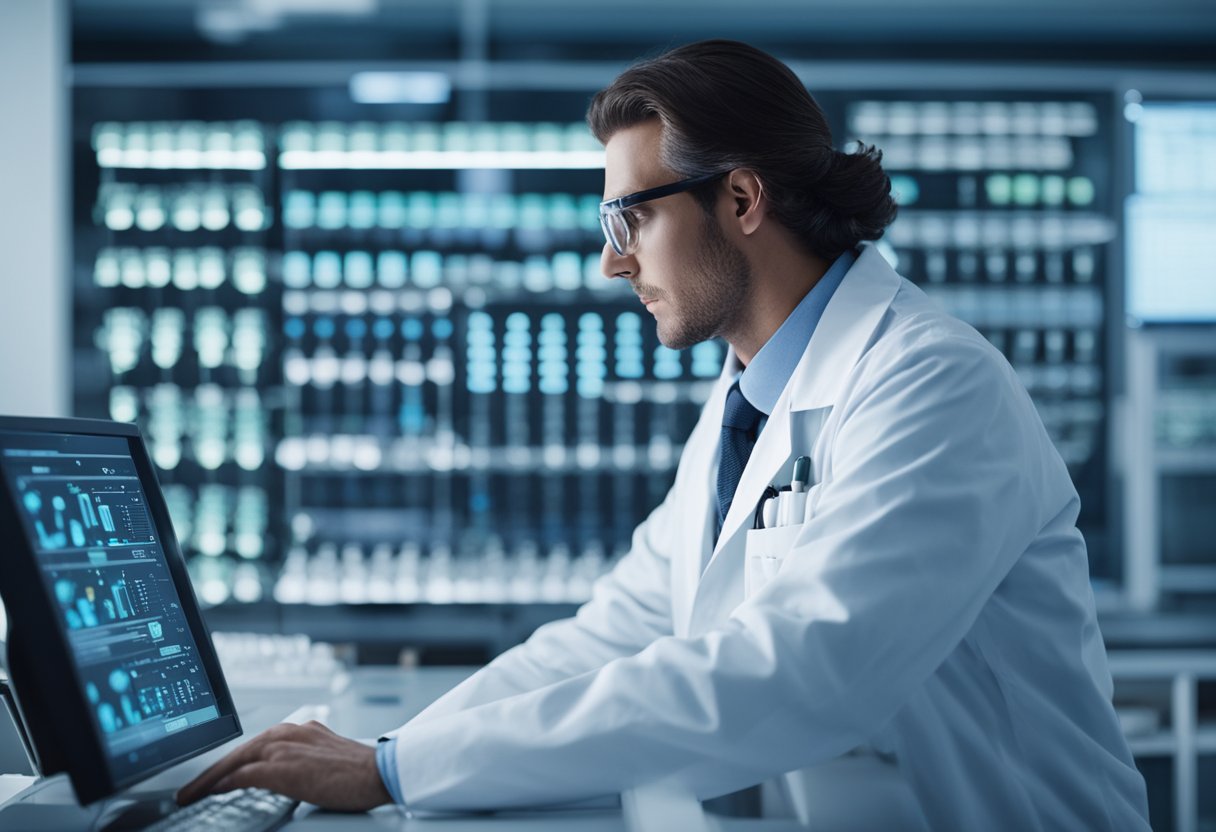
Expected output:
(617, 232)
(606, 227)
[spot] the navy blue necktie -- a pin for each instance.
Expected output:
(739, 424)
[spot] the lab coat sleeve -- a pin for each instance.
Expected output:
(630, 607)
(931, 499)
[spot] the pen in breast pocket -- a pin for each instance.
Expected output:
(790, 504)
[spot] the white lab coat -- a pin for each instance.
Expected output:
(936, 607)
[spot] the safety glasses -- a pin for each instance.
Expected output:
(619, 223)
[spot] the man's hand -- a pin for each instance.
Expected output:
(307, 762)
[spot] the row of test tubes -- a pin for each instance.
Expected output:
(205, 268)
(965, 153)
(425, 269)
(123, 206)
(182, 145)
(215, 338)
(219, 519)
(999, 230)
(212, 425)
(973, 118)
(975, 136)
(222, 580)
(1021, 191)
(274, 661)
(333, 137)
(523, 349)
(996, 269)
(451, 211)
(328, 573)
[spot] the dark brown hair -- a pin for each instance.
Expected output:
(726, 105)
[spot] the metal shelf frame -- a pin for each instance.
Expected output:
(1146, 578)
(1186, 739)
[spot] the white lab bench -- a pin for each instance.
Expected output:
(377, 700)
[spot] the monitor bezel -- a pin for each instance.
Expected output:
(87, 763)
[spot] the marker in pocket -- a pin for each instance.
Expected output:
(791, 504)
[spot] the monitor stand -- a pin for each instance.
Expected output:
(18, 755)
(143, 809)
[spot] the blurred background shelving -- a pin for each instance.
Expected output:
(340, 262)
(353, 296)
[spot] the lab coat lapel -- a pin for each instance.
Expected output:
(771, 451)
(720, 586)
(844, 332)
(847, 327)
(701, 450)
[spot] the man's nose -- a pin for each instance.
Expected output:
(615, 265)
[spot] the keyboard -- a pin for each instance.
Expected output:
(240, 810)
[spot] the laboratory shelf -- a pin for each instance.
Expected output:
(1199, 460)
(1165, 743)
(181, 145)
(999, 228)
(484, 629)
(1157, 744)
(1189, 578)
(1140, 633)
(1177, 675)
(441, 160)
(443, 351)
(371, 455)
(352, 301)
(1164, 395)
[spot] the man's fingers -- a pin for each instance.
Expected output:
(259, 775)
(305, 762)
(282, 748)
(201, 785)
(247, 753)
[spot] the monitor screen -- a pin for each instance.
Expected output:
(105, 574)
(1170, 222)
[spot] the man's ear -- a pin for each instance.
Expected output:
(748, 198)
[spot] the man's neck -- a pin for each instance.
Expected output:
(779, 289)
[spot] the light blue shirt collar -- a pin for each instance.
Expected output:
(769, 371)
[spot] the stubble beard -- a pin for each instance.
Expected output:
(719, 284)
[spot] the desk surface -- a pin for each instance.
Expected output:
(380, 699)
(377, 700)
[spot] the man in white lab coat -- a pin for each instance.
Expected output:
(919, 651)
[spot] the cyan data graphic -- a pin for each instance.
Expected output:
(104, 566)
(127, 696)
(90, 511)
(96, 596)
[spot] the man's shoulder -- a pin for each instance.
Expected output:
(918, 334)
(917, 319)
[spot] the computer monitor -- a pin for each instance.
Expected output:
(1170, 221)
(113, 668)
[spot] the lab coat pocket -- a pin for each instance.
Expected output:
(812, 502)
(765, 552)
